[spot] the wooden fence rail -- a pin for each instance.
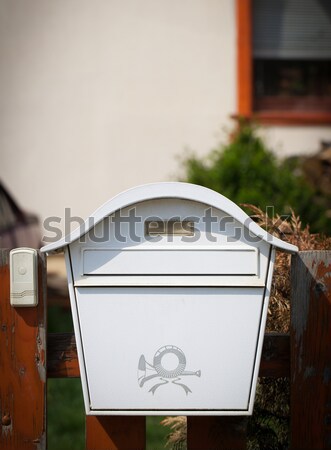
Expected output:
(304, 356)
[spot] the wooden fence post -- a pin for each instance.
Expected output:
(216, 433)
(22, 366)
(115, 433)
(311, 351)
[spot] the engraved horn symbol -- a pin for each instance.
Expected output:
(143, 366)
(158, 370)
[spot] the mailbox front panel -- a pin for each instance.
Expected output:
(154, 350)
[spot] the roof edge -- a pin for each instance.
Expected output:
(181, 190)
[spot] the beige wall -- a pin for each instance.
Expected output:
(98, 96)
(293, 140)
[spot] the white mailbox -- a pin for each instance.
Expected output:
(169, 286)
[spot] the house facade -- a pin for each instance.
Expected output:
(100, 96)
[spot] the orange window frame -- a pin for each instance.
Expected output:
(245, 104)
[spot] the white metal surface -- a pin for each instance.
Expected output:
(23, 277)
(264, 314)
(216, 329)
(175, 190)
(222, 248)
(165, 260)
(73, 304)
(171, 280)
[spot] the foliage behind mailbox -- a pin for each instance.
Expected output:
(169, 286)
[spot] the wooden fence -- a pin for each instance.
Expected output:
(304, 356)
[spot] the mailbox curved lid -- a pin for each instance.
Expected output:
(184, 191)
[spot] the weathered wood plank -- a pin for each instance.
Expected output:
(216, 433)
(311, 351)
(275, 359)
(22, 366)
(115, 433)
(62, 360)
(62, 356)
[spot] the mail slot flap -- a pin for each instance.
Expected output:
(171, 261)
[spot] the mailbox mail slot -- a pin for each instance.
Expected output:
(171, 261)
(169, 319)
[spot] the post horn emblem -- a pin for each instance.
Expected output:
(147, 372)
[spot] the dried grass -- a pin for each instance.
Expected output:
(178, 430)
(292, 231)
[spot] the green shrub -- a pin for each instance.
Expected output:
(246, 171)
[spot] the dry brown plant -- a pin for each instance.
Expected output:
(290, 230)
(178, 430)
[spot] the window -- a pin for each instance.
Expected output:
(284, 60)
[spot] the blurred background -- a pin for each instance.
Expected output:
(97, 97)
